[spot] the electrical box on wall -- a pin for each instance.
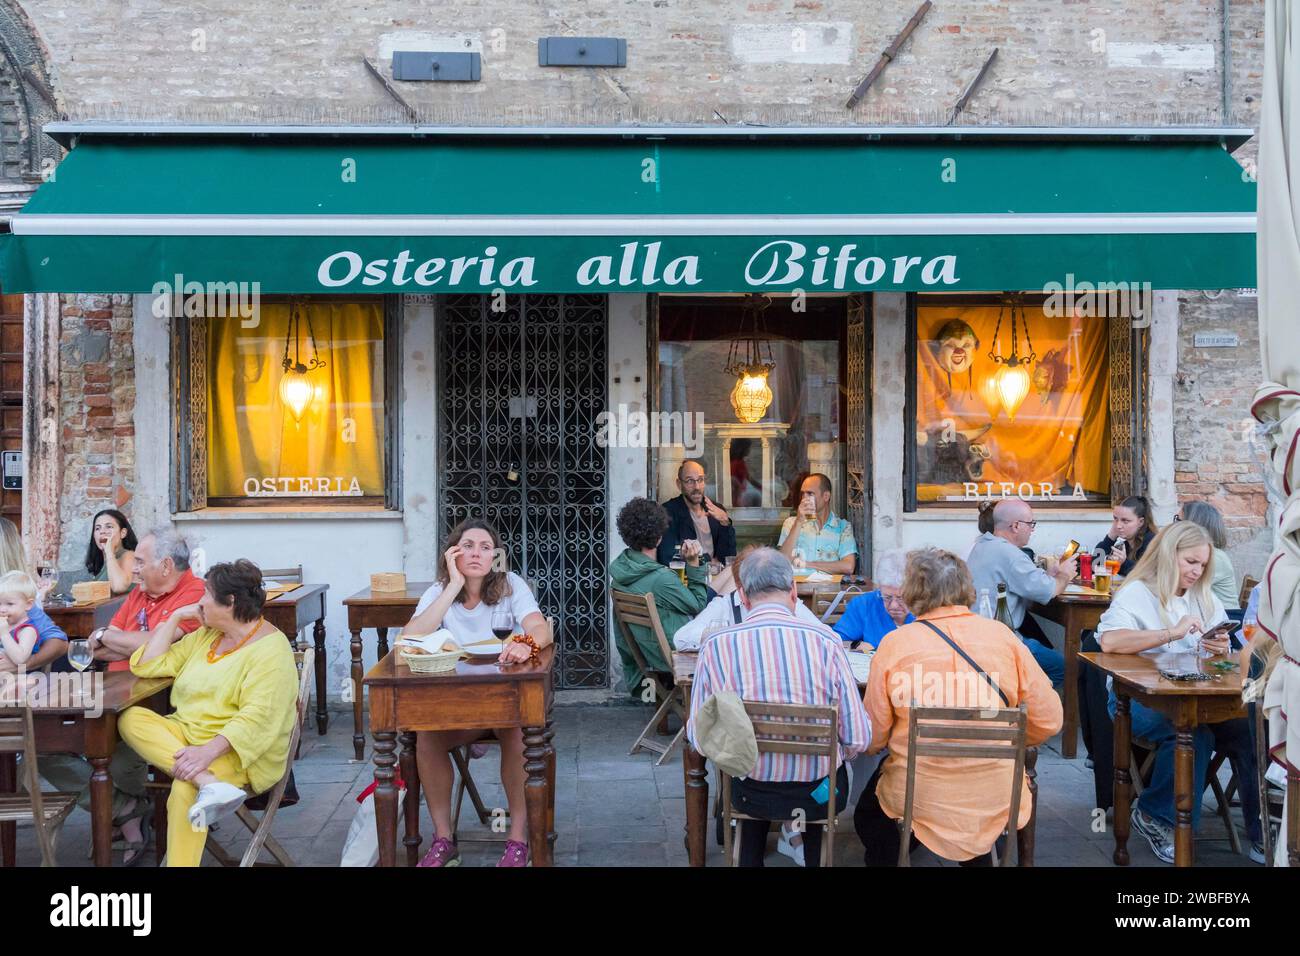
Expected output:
(421, 66)
(581, 51)
(13, 470)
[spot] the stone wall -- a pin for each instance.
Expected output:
(97, 410)
(1216, 456)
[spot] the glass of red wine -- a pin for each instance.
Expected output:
(503, 622)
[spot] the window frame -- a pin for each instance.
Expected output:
(189, 492)
(1127, 419)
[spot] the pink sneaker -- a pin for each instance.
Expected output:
(516, 854)
(443, 852)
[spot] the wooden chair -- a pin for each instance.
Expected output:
(261, 828)
(293, 575)
(1271, 797)
(963, 733)
(639, 609)
(829, 606)
(790, 729)
(1144, 758)
(46, 809)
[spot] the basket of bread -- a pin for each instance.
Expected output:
(435, 654)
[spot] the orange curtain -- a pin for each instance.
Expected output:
(338, 446)
(1060, 436)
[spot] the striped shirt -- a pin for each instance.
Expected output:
(776, 658)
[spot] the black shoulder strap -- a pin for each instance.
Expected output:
(969, 660)
(735, 609)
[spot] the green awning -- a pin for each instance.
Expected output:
(429, 215)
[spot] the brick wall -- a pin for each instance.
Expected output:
(1216, 458)
(97, 395)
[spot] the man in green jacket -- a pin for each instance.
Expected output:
(641, 523)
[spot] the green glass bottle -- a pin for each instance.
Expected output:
(1003, 612)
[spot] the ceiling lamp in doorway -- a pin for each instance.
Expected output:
(297, 391)
(749, 359)
(1012, 379)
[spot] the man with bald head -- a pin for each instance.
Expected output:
(998, 559)
(692, 515)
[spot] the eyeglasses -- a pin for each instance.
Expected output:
(893, 600)
(1032, 524)
(695, 481)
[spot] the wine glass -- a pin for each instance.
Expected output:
(80, 657)
(503, 621)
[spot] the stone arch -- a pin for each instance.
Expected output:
(27, 99)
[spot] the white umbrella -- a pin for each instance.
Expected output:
(1277, 403)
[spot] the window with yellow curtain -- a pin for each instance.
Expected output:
(320, 434)
(1037, 429)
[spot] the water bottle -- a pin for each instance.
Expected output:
(984, 607)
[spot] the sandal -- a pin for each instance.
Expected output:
(138, 847)
(143, 809)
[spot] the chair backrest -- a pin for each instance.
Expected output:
(639, 609)
(293, 574)
(829, 606)
(800, 729)
(963, 733)
(1247, 585)
(18, 736)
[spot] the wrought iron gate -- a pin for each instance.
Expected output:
(520, 391)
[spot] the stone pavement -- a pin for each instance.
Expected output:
(618, 810)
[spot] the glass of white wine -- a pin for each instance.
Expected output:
(80, 657)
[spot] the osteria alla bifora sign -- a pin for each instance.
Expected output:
(775, 263)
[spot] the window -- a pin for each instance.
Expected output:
(753, 468)
(317, 433)
(1036, 427)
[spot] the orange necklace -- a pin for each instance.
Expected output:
(213, 656)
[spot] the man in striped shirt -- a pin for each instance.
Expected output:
(774, 657)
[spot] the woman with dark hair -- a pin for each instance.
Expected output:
(472, 584)
(235, 695)
(111, 550)
(1132, 527)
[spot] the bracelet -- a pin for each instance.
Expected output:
(527, 639)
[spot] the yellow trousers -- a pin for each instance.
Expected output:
(157, 738)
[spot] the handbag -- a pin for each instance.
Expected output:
(970, 660)
(287, 799)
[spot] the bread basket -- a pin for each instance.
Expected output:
(437, 663)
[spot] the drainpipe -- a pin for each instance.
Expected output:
(1227, 64)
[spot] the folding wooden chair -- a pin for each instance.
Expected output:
(1144, 758)
(639, 609)
(261, 828)
(1247, 585)
(963, 733)
(829, 606)
(801, 729)
(46, 809)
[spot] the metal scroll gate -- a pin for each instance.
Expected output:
(520, 392)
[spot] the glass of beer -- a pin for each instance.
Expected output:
(1101, 580)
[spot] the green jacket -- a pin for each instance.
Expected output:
(633, 571)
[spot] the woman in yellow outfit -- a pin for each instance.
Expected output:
(235, 694)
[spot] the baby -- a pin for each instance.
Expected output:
(17, 634)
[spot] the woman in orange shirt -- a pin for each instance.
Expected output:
(960, 806)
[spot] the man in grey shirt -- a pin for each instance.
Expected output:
(997, 559)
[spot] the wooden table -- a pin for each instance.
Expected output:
(697, 779)
(291, 612)
(78, 620)
(1187, 705)
(380, 610)
(61, 728)
(1075, 613)
(474, 697)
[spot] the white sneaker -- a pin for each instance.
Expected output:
(215, 801)
(1158, 833)
(786, 848)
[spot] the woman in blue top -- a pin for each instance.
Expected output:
(871, 616)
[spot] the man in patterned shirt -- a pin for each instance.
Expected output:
(825, 539)
(774, 657)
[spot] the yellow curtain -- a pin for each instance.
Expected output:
(1061, 432)
(338, 446)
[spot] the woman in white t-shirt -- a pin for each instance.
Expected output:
(1165, 605)
(470, 586)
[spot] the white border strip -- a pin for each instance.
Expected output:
(34, 224)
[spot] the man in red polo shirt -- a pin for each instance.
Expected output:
(164, 582)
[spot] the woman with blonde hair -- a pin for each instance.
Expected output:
(1167, 604)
